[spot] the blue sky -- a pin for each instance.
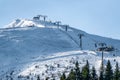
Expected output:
(100, 17)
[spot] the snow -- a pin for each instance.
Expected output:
(34, 47)
(23, 23)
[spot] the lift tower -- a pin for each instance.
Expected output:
(80, 37)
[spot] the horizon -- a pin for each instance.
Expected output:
(94, 17)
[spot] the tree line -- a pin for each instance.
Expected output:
(90, 74)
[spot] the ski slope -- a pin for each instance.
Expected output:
(34, 47)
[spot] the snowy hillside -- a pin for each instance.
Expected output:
(35, 47)
(22, 23)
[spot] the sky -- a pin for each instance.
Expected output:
(99, 17)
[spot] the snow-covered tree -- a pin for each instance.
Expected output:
(108, 71)
(86, 72)
(117, 72)
(93, 74)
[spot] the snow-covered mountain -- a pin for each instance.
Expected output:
(22, 23)
(36, 47)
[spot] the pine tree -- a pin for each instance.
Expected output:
(47, 78)
(71, 75)
(108, 71)
(86, 72)
(116, 72)
(77, 71)
(93, 74)
(63, 77)
(38, 78)
(101, 77)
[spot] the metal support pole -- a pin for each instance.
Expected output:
(58, 23)
(80, 37)
(66, 28)
(102, 45)
(102, 60)
(44, 18)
